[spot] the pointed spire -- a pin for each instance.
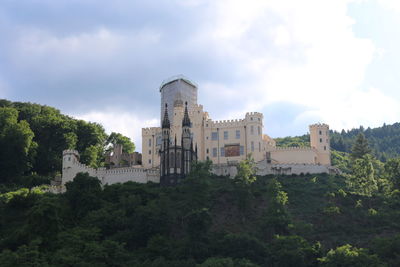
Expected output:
(186, 119)
(175, 141)
(165, 123)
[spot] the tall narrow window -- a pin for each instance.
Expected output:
(150, 142)
(259, 130)
(214, 136)
(252, 146)
(222, 152)
(237, 134)
(320, 140)
(225, 135)
(241, 150)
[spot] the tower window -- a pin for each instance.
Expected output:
(252, 146)
(259, 130)
(207, 151)
(215, 152)
(252, 129)
(324, 147)
(237, 134)
(150, 142)
(214, 136)
(222, 152)
(225, 135)
(320, 132)
(241, 150)
(320, 140)
(149, 152)
(149, 161)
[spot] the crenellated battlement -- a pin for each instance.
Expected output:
(319, 125)
(70, 151)
(254, 114)
(226, 123)
(293, 148)
(151, 130)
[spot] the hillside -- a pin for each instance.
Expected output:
(320, 220)
(206, 221)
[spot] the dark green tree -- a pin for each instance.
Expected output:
(16, 143)
(360, 148)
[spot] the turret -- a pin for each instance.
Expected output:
(186, 124)
(319, 140)
(70, 157)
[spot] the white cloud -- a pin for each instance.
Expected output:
(390, 4)
(302, 52)
(126, 123)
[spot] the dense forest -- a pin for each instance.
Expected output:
(351, 219)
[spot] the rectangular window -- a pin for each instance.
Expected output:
(252, 146)
(150, 142)
(259, 130)
(252, 129)
(149, 161)
(215, 152)
(324, 147)
(214, 136)
(149, 152)
(237, 134)
(320, 132)
(222, 152)
(320, 140)
(158, 140)
(225, 135)
(241, 150)
(207, 151)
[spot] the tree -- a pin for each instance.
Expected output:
(362, 180)
(83, 194)
(246, 171)
(293, 251)
(116, 138)
(392, 172)
(275, 219)
(17, 146)
(360, 147)
(348, 256)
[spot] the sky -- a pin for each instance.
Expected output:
(297, 62)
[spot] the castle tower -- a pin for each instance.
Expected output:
(70, 159)
(319, 140)
(181, 85)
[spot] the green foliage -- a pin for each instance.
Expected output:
(246, 171)
(350, 256)
(297, 141)
(293, 251)
(17, 146)
(360, 147)
(117, 138)
(362, 180)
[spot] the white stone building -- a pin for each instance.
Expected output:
(225, 143)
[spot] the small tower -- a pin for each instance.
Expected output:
(319, 140)
(187, 149)
(164, 153)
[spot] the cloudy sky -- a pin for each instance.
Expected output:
(298, 62)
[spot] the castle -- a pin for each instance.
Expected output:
(188, 133)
